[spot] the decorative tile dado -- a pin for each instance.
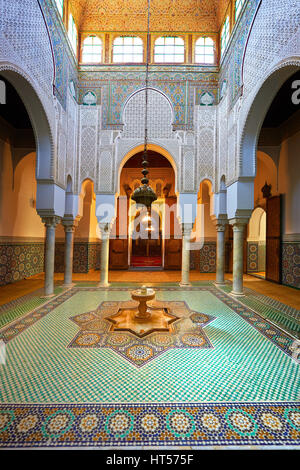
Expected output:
(187, 332)
(139, 424)
(252, 258)
(86, 256)
(291, 264)
(18, 261)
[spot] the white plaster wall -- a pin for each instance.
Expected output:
(289, 183)
(17, 196)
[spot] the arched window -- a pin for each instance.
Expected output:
(72, 32)
(238, 7)
(92, 50)
(169, 49)
(204, 51)
(225, 35)
(128, 49)
(60, 6)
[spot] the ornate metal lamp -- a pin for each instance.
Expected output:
(144, 194)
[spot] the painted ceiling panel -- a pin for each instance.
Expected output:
(166, 15)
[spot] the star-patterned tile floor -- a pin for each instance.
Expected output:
(226, 373)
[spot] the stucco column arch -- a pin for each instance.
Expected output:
(36, 106)
(139, 148)
(255, 108)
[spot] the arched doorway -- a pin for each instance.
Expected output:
(257, 243)
(22, 232)
(272, 133)
(17, 80)
(140, 240)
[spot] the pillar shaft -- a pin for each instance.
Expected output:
(69, 249)
(185, 267)
(104, 262)
(238, 258)
(50, 224)
(220, 279)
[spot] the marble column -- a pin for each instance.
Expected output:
(221, 227)
(104, 262)
(238, 257)
(50, 224)
(69, 227)
(185, 267)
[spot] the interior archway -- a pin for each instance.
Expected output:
(257, 113)
(276, 189)
(22, 232)
(38, 119)
(257, 243)
(146, 241)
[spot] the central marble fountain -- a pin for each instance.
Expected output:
(143, 319)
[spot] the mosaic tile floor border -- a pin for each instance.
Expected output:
(21, 306)
(168, 424)
(277, 336)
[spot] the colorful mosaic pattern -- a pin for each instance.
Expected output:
(95, 332)
(244, 364)
(114, 85)
(291, 264)
(65, 65)
(18, 261)
(152, 424)
(252, 260)
(86, 256)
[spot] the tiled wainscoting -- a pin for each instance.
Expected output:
(86, 256)
(256, 256)
(20, 258)
(291, 263)
(204, 260)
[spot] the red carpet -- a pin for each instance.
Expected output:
(146, 261)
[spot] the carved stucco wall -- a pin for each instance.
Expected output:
(205, 145)
(274, 41)
(29, 49)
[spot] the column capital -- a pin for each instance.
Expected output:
(238, 223)
(51, 221)
(105, 230)
(186, 228)
(69, 224)
(221, 224)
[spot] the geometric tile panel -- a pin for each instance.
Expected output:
(18, 261)
(187, 332)
(291, 264)
(245, 364)
(203, 424)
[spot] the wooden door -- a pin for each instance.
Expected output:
(173, 253)
(273, 239)
(118, 254)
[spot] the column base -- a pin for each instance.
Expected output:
(68, 286)
(103, 284)
(219, 284)
(181, 284)
(48, 296)
(237, 294)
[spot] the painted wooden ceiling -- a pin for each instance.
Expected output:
(166, 15)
